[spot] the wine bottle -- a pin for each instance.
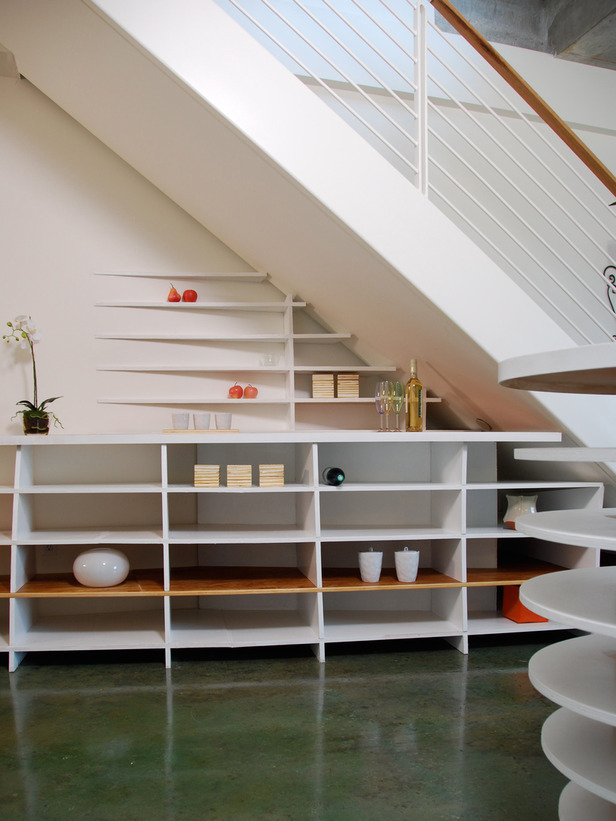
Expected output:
(414, 404)
(333, 476)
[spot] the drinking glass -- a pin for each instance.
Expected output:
(397, 401)
(379, 403)
(386, 400)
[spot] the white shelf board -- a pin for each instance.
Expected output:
(172, 401)
(228, 534)
(95, 631)
(171, 337)
(240, 276)
(265, 307)
(529, 485)
(577, 804)
(80, 489)
(387, 487)
(94, 535)
(322, 339)
(583, 598)
(368, 625)
(565, 454)
(585, 369)
(579, 674)
(489, 622)
(342, 533)
(344, 369)
(194, 369)
(583, 528)
(498, 531)
(238, 628)
(288, 488)
(583, 750)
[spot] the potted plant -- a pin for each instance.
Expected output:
(34, 414)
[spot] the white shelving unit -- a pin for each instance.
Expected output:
(233, 567)
(241, 329)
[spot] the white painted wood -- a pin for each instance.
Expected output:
(587, 528)
(583, 750)
(401, 489)
(577, 803)
(579, 675)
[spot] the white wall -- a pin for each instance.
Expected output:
(70, 206)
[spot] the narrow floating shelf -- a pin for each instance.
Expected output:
(206, 306)
(242, 276)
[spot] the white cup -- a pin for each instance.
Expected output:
(180, 421)
(223, 421)
(202, 421)
(370, 562)
(407, 564)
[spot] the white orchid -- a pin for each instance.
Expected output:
(24, 331)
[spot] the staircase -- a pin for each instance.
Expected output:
(199, 108)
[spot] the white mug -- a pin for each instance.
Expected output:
(202, 421)
(180, 421)
(223, 421)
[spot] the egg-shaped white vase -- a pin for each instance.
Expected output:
(101, 567)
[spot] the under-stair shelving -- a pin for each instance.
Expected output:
(240, 329)
(253, 566)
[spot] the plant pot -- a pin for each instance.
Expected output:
(36, 422)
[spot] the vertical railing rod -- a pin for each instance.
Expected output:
(324, 85)
(422, 98)
(492, 244)
(523, 117)
(532, 231)
(359, 62)
(515, 185)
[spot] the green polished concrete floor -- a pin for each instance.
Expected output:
(377, 733)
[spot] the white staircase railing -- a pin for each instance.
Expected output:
(449, 123)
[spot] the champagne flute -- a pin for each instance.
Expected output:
(397, 401)
(386, 400)
(379, 404)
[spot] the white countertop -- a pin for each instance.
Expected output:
(586, 369)
(583, 528)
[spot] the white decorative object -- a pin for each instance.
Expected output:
(407, 564)
(101, 567)
(370, 562)
(518, 506)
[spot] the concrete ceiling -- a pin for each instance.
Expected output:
(570, 29)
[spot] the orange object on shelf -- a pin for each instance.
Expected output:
(514, 609)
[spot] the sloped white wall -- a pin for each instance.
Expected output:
(70, 206)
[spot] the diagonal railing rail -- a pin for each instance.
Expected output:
(464, 129)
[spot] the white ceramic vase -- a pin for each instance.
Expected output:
(101, 567)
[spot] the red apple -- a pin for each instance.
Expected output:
(189, 296)
(236, 392)
(250, 392)
(174, 295)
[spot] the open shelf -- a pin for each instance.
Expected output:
(54, 585)
(517, 573)
(240, 580)
(346, 579)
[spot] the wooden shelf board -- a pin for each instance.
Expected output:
(212, 581)
(509, 574)
(348, 579)
(58, 585)
(5, 587)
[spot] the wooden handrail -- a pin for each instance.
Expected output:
(528, 94)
